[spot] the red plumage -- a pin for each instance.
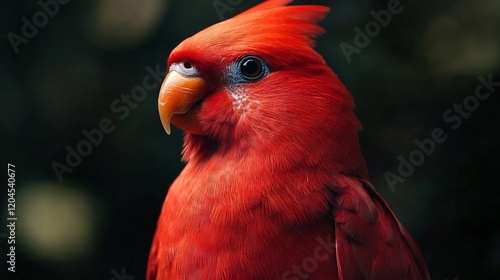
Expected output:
(275, 170)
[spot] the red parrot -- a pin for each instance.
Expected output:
(275, 185)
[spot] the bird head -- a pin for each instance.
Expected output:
(254, 83)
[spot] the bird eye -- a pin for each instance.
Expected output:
(252, 68)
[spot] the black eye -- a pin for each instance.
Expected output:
(252, 68)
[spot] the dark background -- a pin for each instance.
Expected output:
(99, 221)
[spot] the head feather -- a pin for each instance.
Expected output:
(270, 27)
(300, 109)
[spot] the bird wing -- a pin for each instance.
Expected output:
(370, 241)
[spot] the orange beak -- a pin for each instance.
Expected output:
(178, 95)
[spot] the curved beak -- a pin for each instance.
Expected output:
(178, 95)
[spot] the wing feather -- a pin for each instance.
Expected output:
(371, 242)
